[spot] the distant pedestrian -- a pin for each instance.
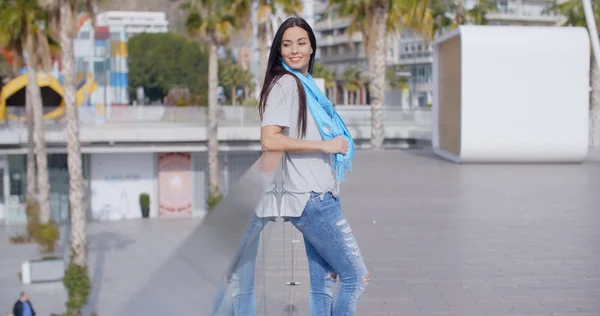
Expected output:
(23, 306)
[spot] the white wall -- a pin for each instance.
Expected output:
(524, 94)
(117, 180)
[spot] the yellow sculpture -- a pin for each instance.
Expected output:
(13, 94)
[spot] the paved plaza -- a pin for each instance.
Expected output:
(439, 239)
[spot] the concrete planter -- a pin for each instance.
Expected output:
(44, 270)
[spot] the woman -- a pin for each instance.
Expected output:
(298, 119)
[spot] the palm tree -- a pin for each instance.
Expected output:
(26, 23)
(449, 14)
(31, 168)
(249, 83)
(12, 39)
(12, 42)
(574, 13)
(477, 14)
(62, 16)
(376, 19)
(233, 77)
(440, 12)
(322, 71)
(352, 83)
(265, 13)
(395, 82)
(212, 21)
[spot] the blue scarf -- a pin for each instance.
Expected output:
(328, 121)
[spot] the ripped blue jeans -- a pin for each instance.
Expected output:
(240, 277)
(333, 254)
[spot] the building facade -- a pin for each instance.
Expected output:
(338, 50)
(414, 59)
(341, 51)
(114, 181)
(161, 151)
(102, 52)
(415, 55)
(135, 22)
(525, 12)
(408, 52)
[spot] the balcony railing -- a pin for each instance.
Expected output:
(525, 15)
(229, 116)
(334, 23)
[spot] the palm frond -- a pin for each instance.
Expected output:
(89, 9)
(290, 7)
(49, 5)
(42, 50)
(264, 12)
(187, 6)
(215, 20)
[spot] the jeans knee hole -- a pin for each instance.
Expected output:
(366, 279)
(332, 276)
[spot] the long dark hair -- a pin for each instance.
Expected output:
(275, 70)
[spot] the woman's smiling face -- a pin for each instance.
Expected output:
(296, 49)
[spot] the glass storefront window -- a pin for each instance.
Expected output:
(58, 176)
(18, 176)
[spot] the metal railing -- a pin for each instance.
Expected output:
(230, 116)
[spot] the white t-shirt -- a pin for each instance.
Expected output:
(301, 173)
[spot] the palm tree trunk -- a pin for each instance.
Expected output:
(595, 106)
(346, 99)
(31, 174)
(38, 135)
(18, 58)
(263, 54)
(78, 238)
(335, 97)
(460, 13)
(377, 62)
(213, 120)
(233, 95)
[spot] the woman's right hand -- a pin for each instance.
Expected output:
(335, 145)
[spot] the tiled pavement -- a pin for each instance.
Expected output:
(439, 239)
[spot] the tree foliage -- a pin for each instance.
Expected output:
(411, 14)
(353, 80)
(449, 14)
(18, 19)
(395, 82)
(477, 14)
(232, 77)
(322, 71)
(78, 285)
(158, 62)
(573, 12)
